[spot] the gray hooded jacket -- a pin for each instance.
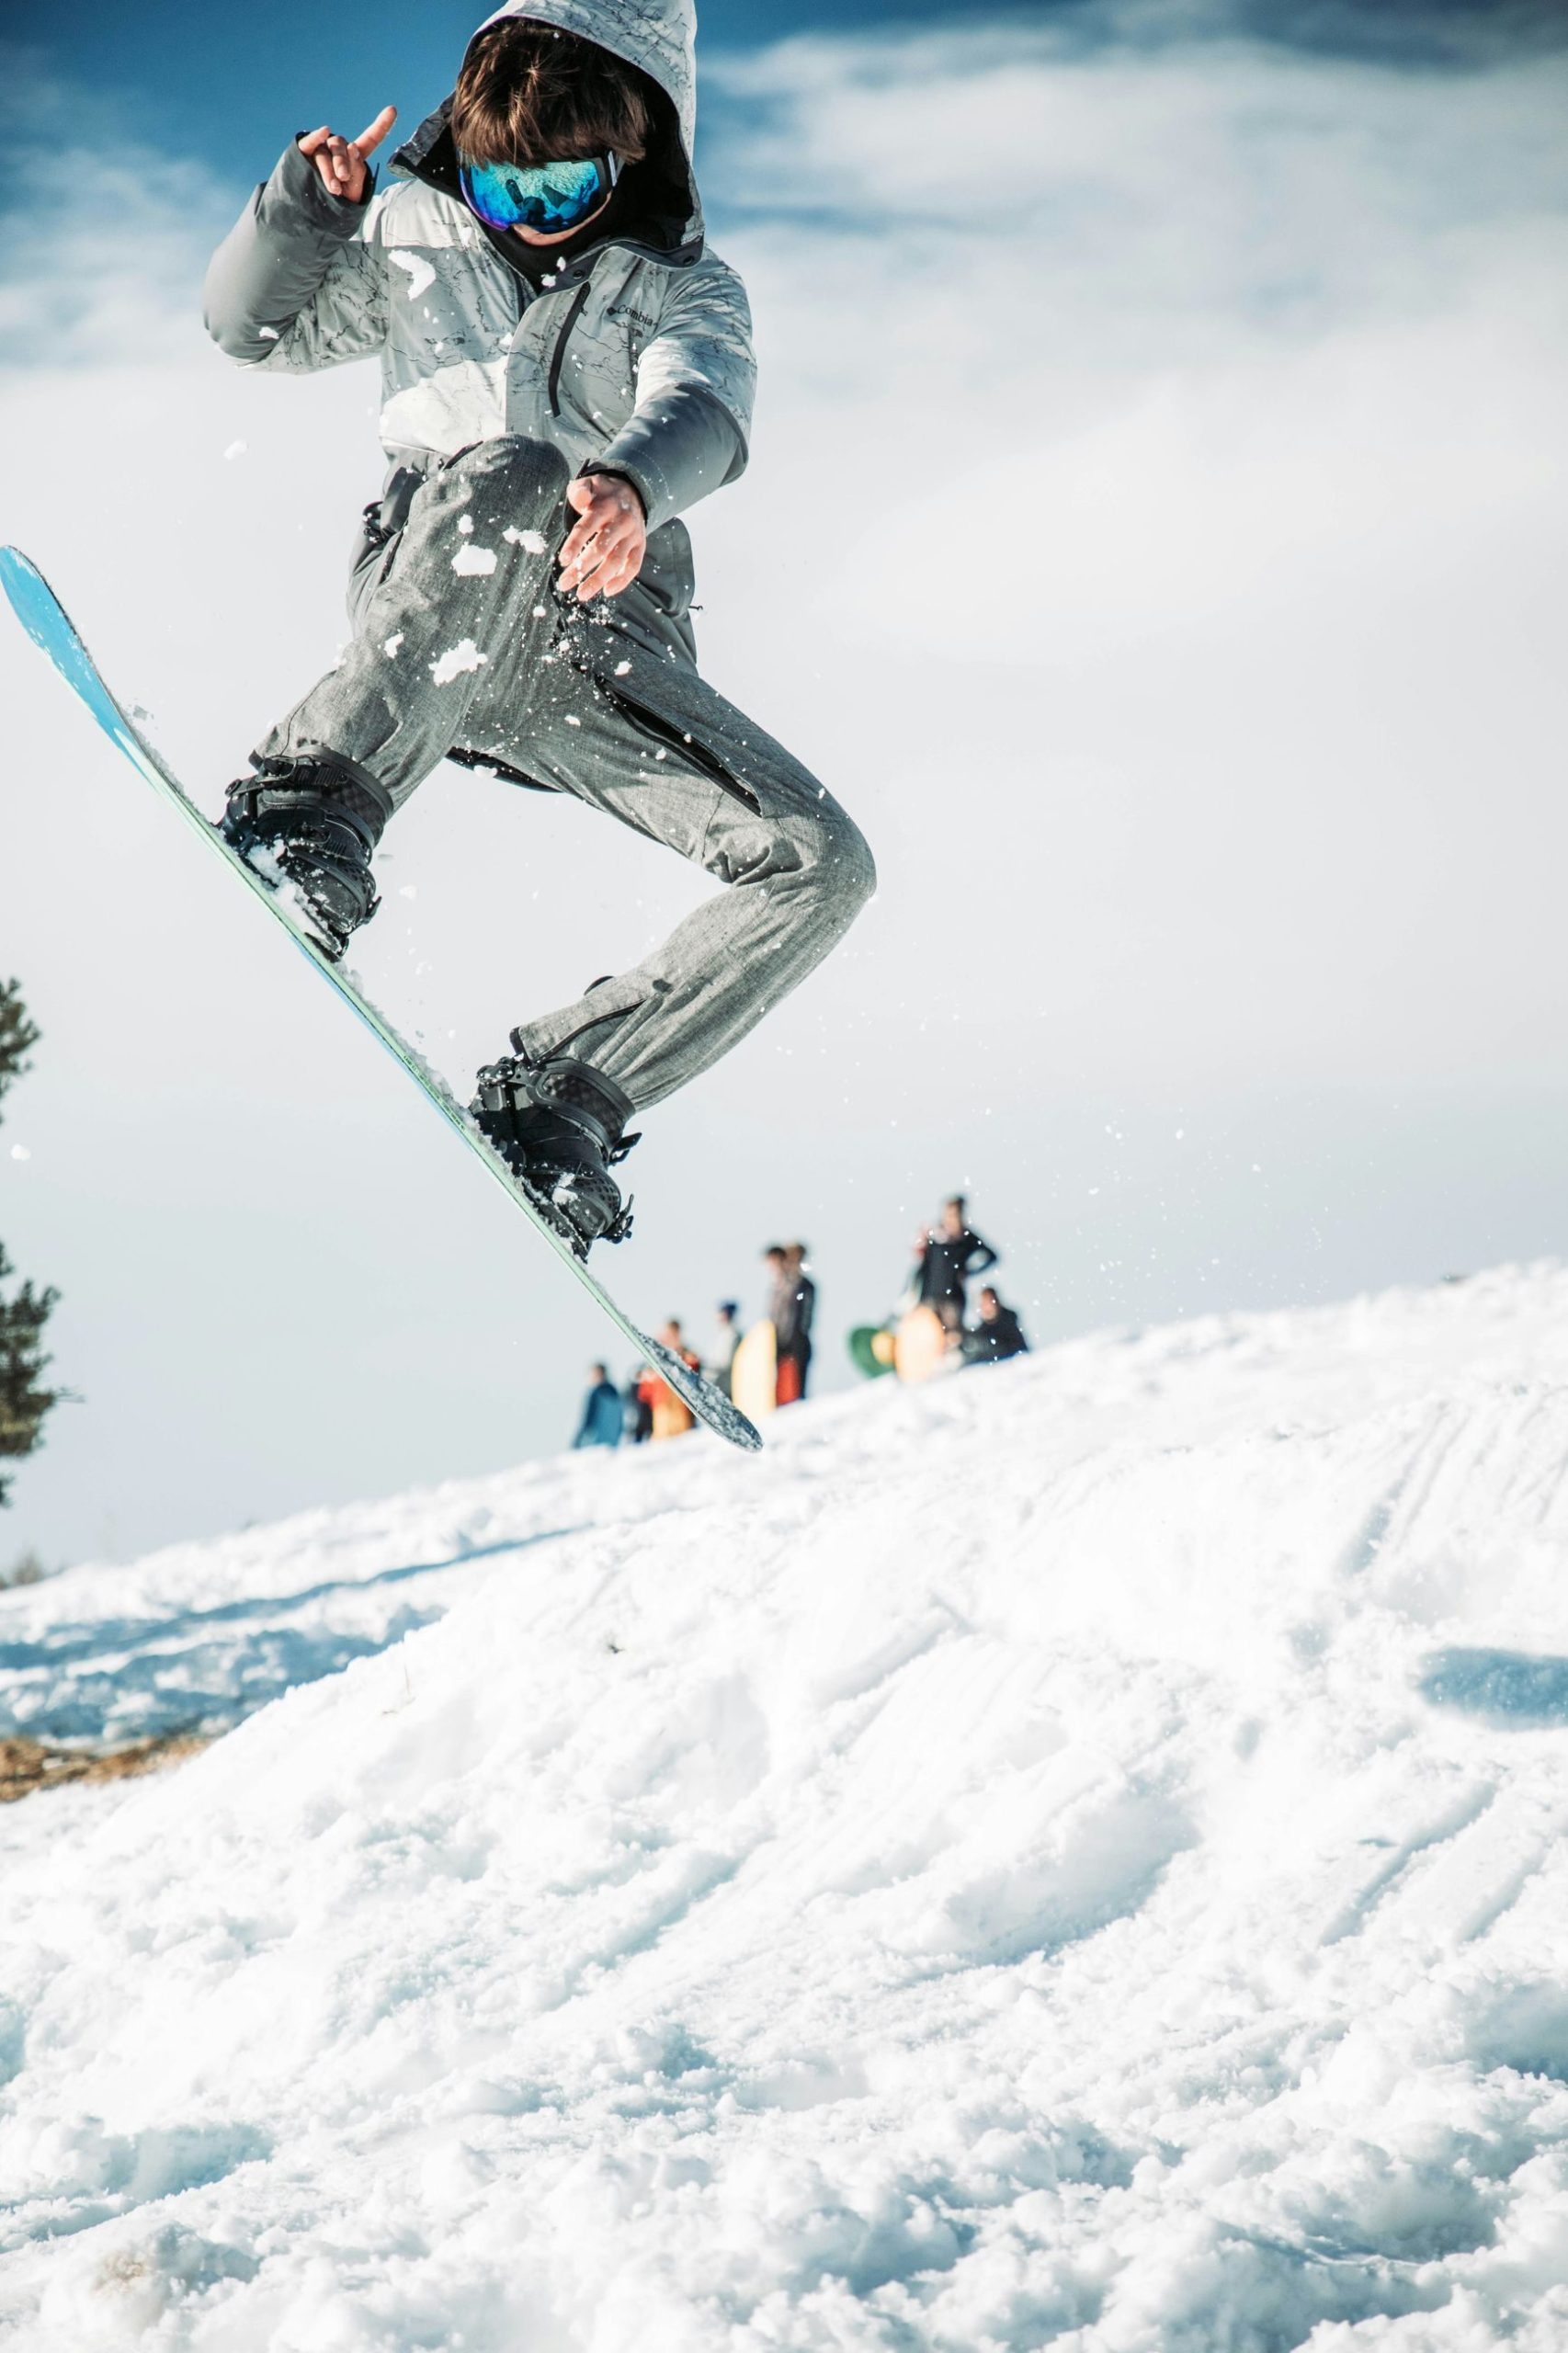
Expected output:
(638, 358)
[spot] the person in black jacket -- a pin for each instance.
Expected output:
(948, 1253)
(997, 1336)
(795, 1337)
(791, 1304)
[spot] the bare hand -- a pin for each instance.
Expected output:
(603, 551)
(341, 162)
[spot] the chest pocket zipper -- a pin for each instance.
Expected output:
(558, 354)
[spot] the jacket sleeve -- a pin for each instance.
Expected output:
(696, 378)
(297, 284)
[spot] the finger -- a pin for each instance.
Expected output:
(343, 169)
(610, 573)
(614, 547)
(580, 495)
(312, 140)
(602, 550)
(595, 532)
(374, 132)
(625, 573)
(583, 579)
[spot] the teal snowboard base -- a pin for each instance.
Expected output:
(44, 618)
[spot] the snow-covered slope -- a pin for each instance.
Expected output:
(1068, 1858)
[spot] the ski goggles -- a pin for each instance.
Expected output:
(549, 197)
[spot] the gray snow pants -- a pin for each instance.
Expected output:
(462, 641)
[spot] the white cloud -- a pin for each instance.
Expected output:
(103, 238)
(1151, 534)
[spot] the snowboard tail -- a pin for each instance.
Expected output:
(49, 627)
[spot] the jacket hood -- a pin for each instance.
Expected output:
(658, 37)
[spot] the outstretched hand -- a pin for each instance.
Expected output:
(341, 162)
(603, 551)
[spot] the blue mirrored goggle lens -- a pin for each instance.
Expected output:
(536, 195)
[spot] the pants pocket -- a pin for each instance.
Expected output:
(669, 736)
(375, 543)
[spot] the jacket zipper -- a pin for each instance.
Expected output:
(558, 354)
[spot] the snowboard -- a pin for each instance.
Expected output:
(871, 1349)
(44, 618)
(753, 1373)
(920, 1347)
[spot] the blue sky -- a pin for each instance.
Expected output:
(229, 85)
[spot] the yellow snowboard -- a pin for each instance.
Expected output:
(754, 1375)
(920, 1345)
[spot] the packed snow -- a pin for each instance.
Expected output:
(1067, 1857)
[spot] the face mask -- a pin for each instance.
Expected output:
(548, 197)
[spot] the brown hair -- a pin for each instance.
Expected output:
(529, 95)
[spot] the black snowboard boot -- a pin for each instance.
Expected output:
(311, 825)
(559, 1126)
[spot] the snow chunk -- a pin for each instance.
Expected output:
(622, 668)
(20, 1152)
(236, 450)
(464, 655)
(465, 523)
(477, 560)
(532, 542)
(268, 334)
(420, 276)
(393, 645)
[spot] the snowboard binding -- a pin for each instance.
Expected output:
(309, 827)
(560, 1127)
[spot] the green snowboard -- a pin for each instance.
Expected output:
(870, 1349)
(46, 622)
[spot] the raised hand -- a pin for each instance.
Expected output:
(603, 551)
(341, 162)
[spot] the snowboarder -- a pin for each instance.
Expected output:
(566, 369)
(603, 1413)
(997, 1336)
(946, 1255)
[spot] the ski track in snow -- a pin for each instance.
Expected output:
(1072, 1856)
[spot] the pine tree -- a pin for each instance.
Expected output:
(24, 1401)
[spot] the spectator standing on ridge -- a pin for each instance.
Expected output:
(948, 1254)
(637, 1415)
(786, 1305)
(793, 1327)
(726, 1340)
(997, 1336)
(671, 1416)
(602, 1412)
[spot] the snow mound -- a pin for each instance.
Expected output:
(1069, 1858)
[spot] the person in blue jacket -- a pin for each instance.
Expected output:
(602, 1411)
